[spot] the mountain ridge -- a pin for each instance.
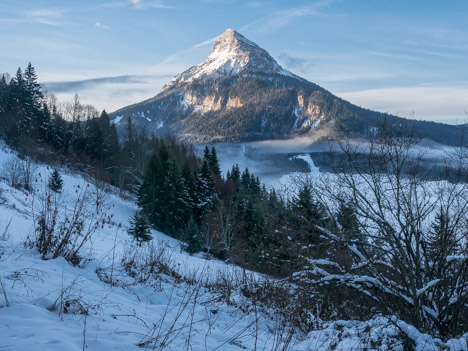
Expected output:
(240, 93)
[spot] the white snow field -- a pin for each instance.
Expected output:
(157, 297)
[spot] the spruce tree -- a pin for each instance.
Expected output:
(190, 190)
(56, 181)
(349, 224)
(442, 240)
(192, 237)
(140, 228)
(205, 188)
(110, 146)
(305, 216)
(214, 163)
(94, 147)
(33, 87)
(206, 153)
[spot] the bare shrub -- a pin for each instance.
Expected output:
(19, 173)
(411, 259)
(149, 262)
(176, 322)
(12, 172)
(28, 172)
(62, 230)
(100, 188)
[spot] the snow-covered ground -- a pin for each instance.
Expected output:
(115, 299)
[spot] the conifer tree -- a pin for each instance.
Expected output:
(110, 143)
(206, 153)
(55, 181)
(349, 224)
(192, 237)
(442, 241)
(205, 188)
(235, 175)
(33, 88)
(214, 163)
(4, 95)
(305, 215)
(140, 228)
(43, 124)
(190, 190)
(94, 144)
(17, 121)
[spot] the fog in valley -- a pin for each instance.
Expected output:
(276, 161)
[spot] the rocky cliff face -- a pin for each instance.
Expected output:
(240, 93)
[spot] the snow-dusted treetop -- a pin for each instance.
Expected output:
(231, 54)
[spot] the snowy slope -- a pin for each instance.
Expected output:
(186, 303)
(232, 53)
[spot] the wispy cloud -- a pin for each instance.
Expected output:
(102, 26)
(204, 43)
(160, 4)
(180, 61)
(79, 85)
(110, 93)
(297, 64)
(45, 16)
(282, 18)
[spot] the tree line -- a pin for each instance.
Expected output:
(36, 124)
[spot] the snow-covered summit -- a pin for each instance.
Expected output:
(232, 53)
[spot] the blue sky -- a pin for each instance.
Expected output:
(404, 57)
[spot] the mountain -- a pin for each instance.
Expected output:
(240, 93)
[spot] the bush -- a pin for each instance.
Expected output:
(61, 230)
(19, 173)
(12, 172)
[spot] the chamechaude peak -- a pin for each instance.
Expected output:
(240, 93)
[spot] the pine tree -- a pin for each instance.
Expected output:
(349, 224)
(94, 140)
(60, 138)
(305, 215)
(206, 153)
(192, 237)
(140, 228)
(110, 147)
(190, 190)
(55, 181)
(128, 159)
(442, 241)
(234, 175)
(43, 124)
(4, 95)
(205, 189)
(17, 122)
(33, 87)
(214, 163)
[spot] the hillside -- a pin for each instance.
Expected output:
(240, 93)
(125, 296)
